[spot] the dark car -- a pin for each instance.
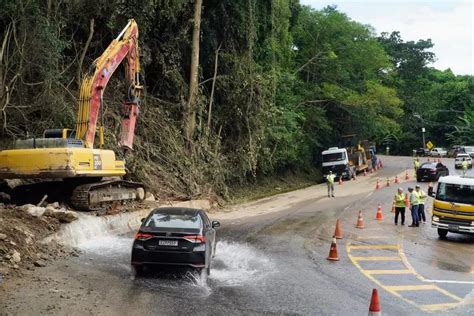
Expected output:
(431, 171)
(175, 236)
(422, 152)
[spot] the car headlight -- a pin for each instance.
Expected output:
(435, 218)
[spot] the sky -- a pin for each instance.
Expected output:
(449, 24)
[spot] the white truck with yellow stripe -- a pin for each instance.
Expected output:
(453, 205)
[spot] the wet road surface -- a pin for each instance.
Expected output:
(275, 263)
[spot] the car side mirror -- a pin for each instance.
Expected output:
(142, 220)
(215, 224)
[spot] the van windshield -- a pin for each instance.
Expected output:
(334, 157)
(455, 193)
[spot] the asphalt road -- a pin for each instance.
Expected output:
(274, 262)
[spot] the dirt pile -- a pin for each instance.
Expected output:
(22, 229)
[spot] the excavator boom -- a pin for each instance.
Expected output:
(93, 86)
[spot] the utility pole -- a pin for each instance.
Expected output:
(423, 130)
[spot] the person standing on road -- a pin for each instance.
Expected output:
(413, 208)
(330, 182)
(399, 206)
(421, 203)
(416, 164)
(464, 166)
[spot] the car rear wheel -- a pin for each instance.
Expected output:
(136, 272)
(442, 233)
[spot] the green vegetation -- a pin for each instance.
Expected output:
(289, 82)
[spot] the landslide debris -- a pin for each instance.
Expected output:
(22, 230)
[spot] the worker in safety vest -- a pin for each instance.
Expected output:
(330, 182)
(414, 204)
(399, 206)
(416, 164)
(421, 196)
(464, 166)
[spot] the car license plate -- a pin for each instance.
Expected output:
(168, 242)
(453, 227)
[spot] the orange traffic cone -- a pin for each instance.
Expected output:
(338, 231)
(379, 215)
(388, 182)
(397, 180)
(340, 180)
(360, 221)
(333, 251)
(377, 186)
(407, 203)
(406, 176)
(365, 173)
(428, 159)
(374, 308)
(393, 207)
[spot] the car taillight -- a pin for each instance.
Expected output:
(433, 170)
(142, 236)
(195, 238)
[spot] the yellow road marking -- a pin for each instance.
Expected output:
(374, 247)
(423, 287)
(392, 258)
(372, 272)
(437, 307)
(394, 290)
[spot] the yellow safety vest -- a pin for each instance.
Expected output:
(399, 200)
(330, 178)
(421, 197)
(416, 198)
(464, 164)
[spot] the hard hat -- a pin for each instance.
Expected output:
(417, 186)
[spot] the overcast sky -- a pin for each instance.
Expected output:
(448, 23)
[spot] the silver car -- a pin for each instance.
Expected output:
(438, 152)
(460, 158)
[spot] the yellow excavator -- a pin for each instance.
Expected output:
(86, 175)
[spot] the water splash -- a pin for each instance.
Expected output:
(237, 264)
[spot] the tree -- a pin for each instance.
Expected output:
(190, 116)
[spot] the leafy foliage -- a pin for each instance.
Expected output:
(290, 80)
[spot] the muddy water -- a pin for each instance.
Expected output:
(235, 264)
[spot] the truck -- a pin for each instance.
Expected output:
(347, 162)
(453, 205)
(352, 157)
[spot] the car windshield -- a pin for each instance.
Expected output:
(428, 165)
(455, 193)
(173, 221)
(469, 149)
(334, 157)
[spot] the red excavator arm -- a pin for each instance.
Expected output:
(92, 89)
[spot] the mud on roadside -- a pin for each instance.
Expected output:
(21, 245)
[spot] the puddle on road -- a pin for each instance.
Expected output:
(235, 264)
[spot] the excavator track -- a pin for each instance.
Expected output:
(97, 196)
